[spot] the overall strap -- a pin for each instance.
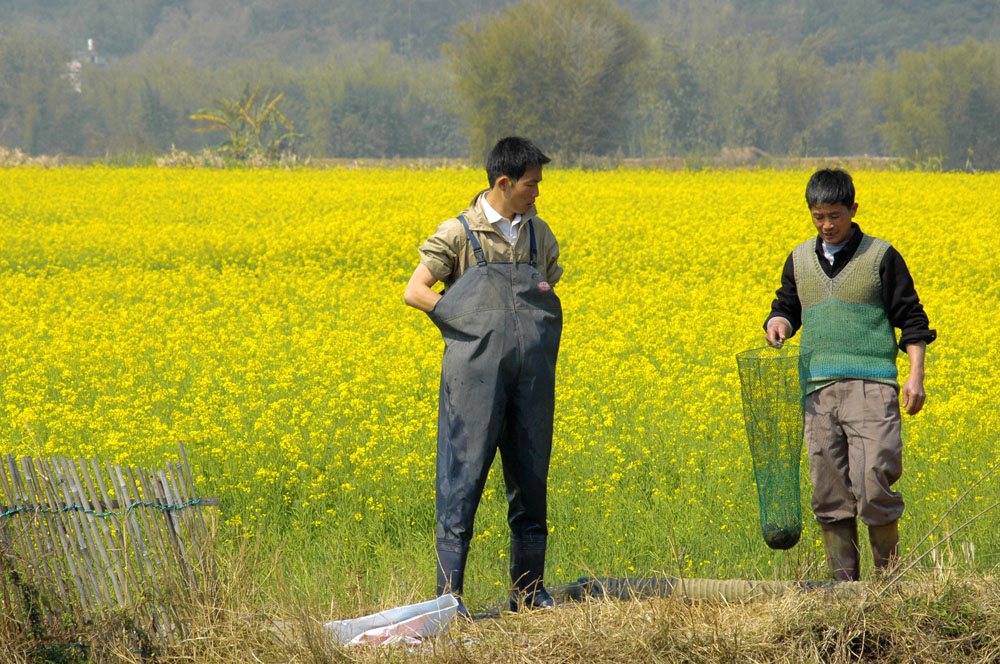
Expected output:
(477, 249)
(534, 248)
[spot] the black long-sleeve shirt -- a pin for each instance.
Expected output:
(899, 296)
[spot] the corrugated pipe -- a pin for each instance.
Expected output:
(712, 590)
(726, 590)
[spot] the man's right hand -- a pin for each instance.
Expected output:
(777, 331)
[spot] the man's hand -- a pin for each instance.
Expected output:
(777, 331)
(913, 395)
(913, 388)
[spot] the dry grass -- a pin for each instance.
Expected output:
(933, 620)
(727, 159)
(11, 158)
(933, 615)
(940, 611)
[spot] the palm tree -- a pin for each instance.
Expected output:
(253, 122)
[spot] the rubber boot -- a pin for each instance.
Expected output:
(527, 570)
(884, 540)
(840, 539)
(451, 557)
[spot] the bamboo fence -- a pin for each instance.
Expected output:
(81, 540)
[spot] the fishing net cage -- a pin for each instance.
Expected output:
(771, 380)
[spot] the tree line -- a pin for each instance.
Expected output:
(581, 77)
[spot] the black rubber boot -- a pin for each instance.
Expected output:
(884, 540)
(451, 557)
(840, 539)
(527, 570)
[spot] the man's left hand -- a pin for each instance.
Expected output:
(913, 395)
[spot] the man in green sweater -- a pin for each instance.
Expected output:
(848, 291)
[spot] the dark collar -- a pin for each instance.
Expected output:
(852, 243)
(842, 257)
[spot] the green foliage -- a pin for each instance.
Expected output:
(37, 106)
(220, 31)
(582, 78)
(253, 122)
(379, 107)
(129, 159)
(780, 100)
(560, 71)
(943, 104)
(143, 107)
(866, 30)
(668, 117)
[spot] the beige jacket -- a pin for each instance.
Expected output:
(448, 253)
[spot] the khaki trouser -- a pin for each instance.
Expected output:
(852, 432)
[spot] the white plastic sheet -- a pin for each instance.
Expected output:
(406, 624)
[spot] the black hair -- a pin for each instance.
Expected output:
(830, 186)
(512, 156)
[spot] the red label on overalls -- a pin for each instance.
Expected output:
(544, 285)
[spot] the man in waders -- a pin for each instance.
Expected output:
(501, 321)
(848, 291)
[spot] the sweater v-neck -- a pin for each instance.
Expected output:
(842, 257)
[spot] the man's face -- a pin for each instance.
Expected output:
(833, 221)
(521, 195)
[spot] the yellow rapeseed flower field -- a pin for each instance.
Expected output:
(257, 317)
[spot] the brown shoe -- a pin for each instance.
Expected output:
(840, 540)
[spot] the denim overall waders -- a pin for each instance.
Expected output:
(501, 324)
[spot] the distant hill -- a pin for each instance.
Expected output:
(218, 31)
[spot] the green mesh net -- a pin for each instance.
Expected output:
(771, 380)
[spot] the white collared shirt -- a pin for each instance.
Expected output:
(830, 250)
(508, 228)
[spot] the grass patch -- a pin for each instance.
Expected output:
(933, 615)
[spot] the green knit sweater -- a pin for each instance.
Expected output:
(843, 319)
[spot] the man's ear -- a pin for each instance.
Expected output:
(502, 182)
